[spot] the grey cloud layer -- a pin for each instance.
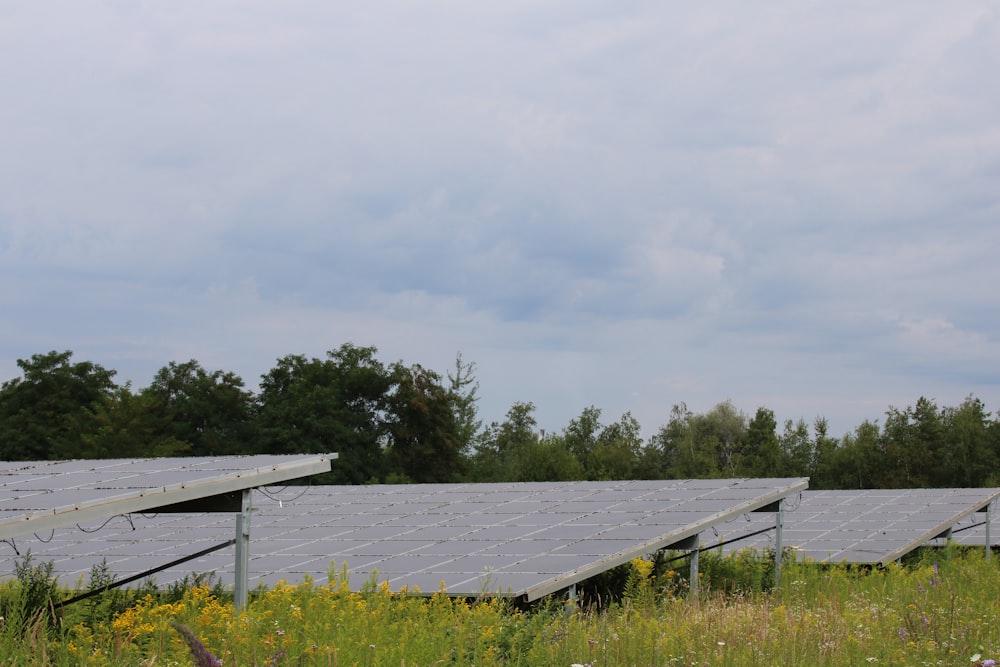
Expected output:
(781, 185)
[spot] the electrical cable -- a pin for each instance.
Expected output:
(94, 530)
(273, 494)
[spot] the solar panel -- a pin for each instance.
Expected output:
(525, 540)
(45, 495)
(866, 526)
(48, 495)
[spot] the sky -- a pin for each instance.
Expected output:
(626, 205)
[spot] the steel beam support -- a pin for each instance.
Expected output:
(693, 574)
(242, 550)
(779, 546)
(989, 538)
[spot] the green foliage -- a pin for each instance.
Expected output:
(385, 422)
(700, 446)
(335, 404)
(798, 450)
(744, 572)
(936, 610)
(463, 390)
(582, 433)
(27, 603)
(501, 443)
(515, 451)
(106, 604)
(46, 413)
(759, 449)
(967, 457)
(616, 452)
(542, 460)
(406, 423)
(126, 425)
(425, 439)
(210, 412)
(176, 590)
(325, 405)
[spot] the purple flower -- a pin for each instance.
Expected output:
(202, 658)
(988, 663)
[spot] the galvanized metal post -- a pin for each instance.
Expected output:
(242, 551)
(693, 573)
(989, 540)
(572, 601)
(779, 546)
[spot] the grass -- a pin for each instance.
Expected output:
(943, 609)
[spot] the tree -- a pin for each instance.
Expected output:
(544, 459)
(993, 441)
(335, 404)
(129, 425)
(911, 449)
(821, 471)
(425, 436)
(582, 433)
(617, 452)
(760, 449)
(797, 450)
(45, 413)
(683, 452)
(463, 391)
(722, 428)
(499, 444)
(857, 462)
(211, 412)
(967, 458)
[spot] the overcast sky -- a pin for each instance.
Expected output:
(789, 204)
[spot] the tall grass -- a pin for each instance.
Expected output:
(943, 610)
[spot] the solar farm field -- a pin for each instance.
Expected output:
(942, 610)
(557, 573)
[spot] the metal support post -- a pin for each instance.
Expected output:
(693, 573)
(989, 539)
(572, 601)
(779, 547)
(242, 551)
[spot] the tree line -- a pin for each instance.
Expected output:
(397, 422)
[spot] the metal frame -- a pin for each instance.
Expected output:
(678, 539)
(172, 498)
(945, 530)
(460, 516)
(964, 503)
(225, 492)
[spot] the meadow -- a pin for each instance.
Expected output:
(942, 608)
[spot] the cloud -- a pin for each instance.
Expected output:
(624, 206)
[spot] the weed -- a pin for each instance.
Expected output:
(820, 615)
(28, 606)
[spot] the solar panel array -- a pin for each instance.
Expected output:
(869, 526)
(971, 531)
(526, 539)
(43, 495)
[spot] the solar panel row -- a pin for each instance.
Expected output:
(869, 526)
(45, 495)
(526, 539)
